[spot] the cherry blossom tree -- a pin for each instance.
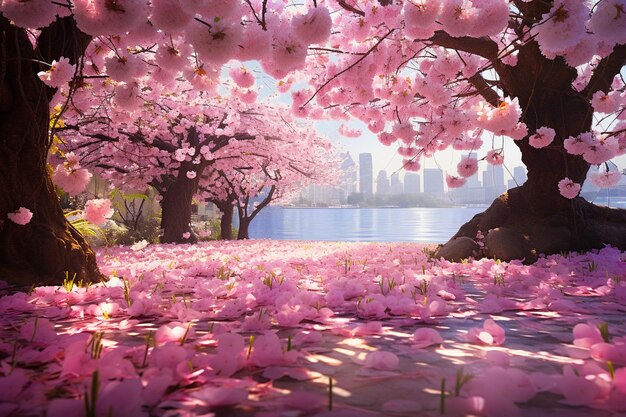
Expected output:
(543, 76)
(430, 74)
(169, 143)
(266, 171)
(53, 51)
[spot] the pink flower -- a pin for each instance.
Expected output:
(608, 23)
(21, 216)
(267, 351)
(411, 165)
(186, 235)
(467, 167)
(381, 360)
(490, 334)
(216, 44)
(542, 137)
(98, 211)
(606, 179)
(568, 188)
(604, 352)
(59, 74)
(349, 133)
(173, 332)
(606, 102)
(454, 181)
(495, 157)
(31, 14)
(242, 77)
(313, 27)
(191, 174)
(577, 389)
(221, 396)
(71, 177)
(425, 336)
(586, 335)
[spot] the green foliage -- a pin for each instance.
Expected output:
(89, 230)
(604, 332)
(147, 229)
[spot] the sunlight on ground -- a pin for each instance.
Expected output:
(171, 332)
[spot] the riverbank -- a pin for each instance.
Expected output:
(271, 328)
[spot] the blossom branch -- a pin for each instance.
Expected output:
(348, 68)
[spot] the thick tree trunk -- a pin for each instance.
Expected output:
(48, 247)
(226, 222)
(244, 228)
(176, 207)
(536, 217)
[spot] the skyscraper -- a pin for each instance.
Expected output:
(396, 184)
(412, 183)
(366, 174)
(433, 181)
(493, 181)
(382, 183)
(519, 175)
(348, 177)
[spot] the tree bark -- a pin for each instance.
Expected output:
(549, 222)
(177, 195)
(244, 228)
(245, 219)
(48, 248)
(226, 222)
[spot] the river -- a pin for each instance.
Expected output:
(427, 225)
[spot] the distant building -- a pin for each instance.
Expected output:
(433, 181)
(412, 183)
(396, 184)
(519, 176)
(382, 183)
(493, 181)
(348, 177)
(366, 174)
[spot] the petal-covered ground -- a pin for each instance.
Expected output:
(268, 328)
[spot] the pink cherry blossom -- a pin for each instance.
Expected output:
(454, 181)
(568, 188)
(98, 211)
(314, 27)
(71, 176)
(606, 179)
(425, 336)
(495, 157)
(467, 167)
(490, 334)
(59, 74)
(586, 335)
(542, 137)
(21, 216)
(381, 360)
(608, 23)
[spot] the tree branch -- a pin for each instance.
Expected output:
(484, 89)
(344, 5)
(484, 47)
(606, 70)
(357, 62)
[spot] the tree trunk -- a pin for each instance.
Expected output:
(226, 221)
(176, 206)
(536, 212)
(244, 228)
(47, 248)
